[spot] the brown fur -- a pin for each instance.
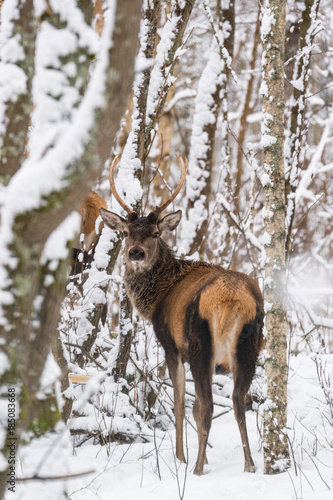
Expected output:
(226, 298)
(89, 212)
(201, 313)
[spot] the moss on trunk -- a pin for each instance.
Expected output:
(276, 453)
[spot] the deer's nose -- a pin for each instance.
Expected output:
(136, 253)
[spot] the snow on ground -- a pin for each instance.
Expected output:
(148, 470)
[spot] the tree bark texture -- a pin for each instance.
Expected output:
(19, 105)
(125, 335)
(276, 454)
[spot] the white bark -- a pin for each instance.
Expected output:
(276, 454)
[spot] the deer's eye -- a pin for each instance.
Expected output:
(125, 233)
(156, 235)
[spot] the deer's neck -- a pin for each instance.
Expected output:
(147, 288)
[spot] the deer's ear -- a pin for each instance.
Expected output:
(113, 221)
(170, 221)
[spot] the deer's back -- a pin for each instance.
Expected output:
(214, 301)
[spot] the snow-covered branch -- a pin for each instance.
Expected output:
(207, 106)
(17, 67)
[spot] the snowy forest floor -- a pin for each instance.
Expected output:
(147, 469)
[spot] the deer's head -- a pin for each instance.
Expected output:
(142, 234)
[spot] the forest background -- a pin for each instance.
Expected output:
(180, 77)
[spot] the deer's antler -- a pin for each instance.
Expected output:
(183, 166)
(113, 187)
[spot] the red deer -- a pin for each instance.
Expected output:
(89, 212)
(201, 314)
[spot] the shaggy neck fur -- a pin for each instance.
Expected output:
(148, 287)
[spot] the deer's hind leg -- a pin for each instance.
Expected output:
(243, 372)
(203, 413)
(196, 415)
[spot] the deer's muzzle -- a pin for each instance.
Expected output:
(136, 253)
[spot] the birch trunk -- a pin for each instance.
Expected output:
(276, 454)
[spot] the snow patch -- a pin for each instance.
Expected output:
(267, 21)
(56, 246)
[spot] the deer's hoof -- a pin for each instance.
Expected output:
(181, 457)
(198, 471)
(249, 467)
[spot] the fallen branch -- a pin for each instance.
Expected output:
(79, 379)
(36, 477)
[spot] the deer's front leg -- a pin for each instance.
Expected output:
(177, 374)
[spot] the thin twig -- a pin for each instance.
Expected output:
(321, 477)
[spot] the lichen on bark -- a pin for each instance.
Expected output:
(276, 453)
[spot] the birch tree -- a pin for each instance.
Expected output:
(276, 454)
(42, 191)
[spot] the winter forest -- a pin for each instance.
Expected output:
(240, 90)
